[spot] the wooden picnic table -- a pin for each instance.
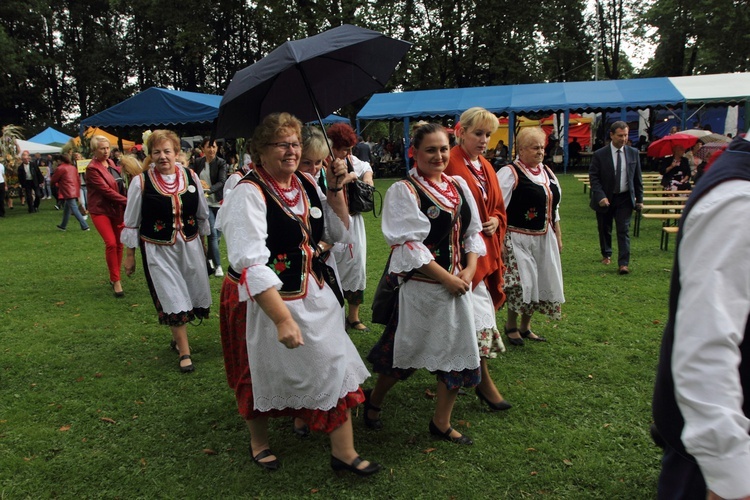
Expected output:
(676, 199)
(665, 211)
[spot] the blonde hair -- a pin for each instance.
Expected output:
(474, 118)
(527, 135)
(130, 165)
(314, 144)
(95, 140)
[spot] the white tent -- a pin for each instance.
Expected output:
(35, 147)
(726, 87)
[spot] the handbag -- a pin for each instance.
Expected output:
(359, 194)
(386, 293)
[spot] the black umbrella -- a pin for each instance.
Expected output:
(309, 78)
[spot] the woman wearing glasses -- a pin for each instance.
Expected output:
(301, 361)
(533, 274)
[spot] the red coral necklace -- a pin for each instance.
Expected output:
(164, 185)
(283, 192)
(450, 193)
(532, 171)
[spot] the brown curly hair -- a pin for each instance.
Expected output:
(273, 126)
(342, 135)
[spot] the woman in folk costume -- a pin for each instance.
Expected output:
(167, 216)
(467, 161)
(532, 246)
(301, 362)
(431, 223)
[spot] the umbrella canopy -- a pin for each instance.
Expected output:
(705, 151)
(715, 138)
(696, 132)
(309, 78)
(663, 147)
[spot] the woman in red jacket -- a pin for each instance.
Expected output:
(467, 161)
(106, 204)
(68, 189)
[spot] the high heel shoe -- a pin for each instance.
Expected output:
(527, 334)
(462, 439)
(118, 295)
(337, 465)
(502, 405)
(511, 340)
(373, 423)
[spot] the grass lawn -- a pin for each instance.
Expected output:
(92, 403)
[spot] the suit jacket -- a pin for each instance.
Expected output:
(36, 175)
(602, 176)
(217, 170)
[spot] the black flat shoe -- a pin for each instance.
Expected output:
(447, 435)
(535, 339)
(372, 423)
(338, 466)
(502, 405)
(511, 340)
(189, 368)
(270, 465)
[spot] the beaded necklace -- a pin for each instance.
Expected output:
(532, 171)
(450, 193)
(478, 173)
(164, 185)
(283, 192)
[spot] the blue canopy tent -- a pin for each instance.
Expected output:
(515, 99)
(51, 137)
(158, 106)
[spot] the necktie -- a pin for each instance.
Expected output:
(618, 172)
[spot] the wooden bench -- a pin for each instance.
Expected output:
(665, 232)
(665, 210)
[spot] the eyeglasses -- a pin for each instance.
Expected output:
(285, 145)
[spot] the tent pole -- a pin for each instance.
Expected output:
(566, 135)
(407, 144)
(511, 134)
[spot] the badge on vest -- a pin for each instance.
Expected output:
(191, 188)
(433, 212)
(316, 213)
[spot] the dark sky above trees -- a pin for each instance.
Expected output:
(64, 60)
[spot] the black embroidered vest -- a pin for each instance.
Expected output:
(448, 253)
(290, 247)
(667, 415)
(163, 215)
(532, 206)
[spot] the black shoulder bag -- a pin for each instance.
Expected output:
(360, 194)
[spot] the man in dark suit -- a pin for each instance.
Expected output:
(30, 177)
(616, 189)
(212, 179)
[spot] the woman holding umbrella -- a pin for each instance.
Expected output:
(351, 257)
(467, 161)
(301, 361)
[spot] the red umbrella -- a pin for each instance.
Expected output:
(663, 147)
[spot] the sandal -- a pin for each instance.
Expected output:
(536, 337)
(512, 340)
(354, 324)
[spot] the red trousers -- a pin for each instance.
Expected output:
(110, 229)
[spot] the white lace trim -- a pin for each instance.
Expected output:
(410, 255)
(453, 363)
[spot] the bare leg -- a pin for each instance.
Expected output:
(526, 325)
(487, 386)
(117, 288)
(377, 396)
(342, 443)
(258, 428)
(179, 334)
(444, 407)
